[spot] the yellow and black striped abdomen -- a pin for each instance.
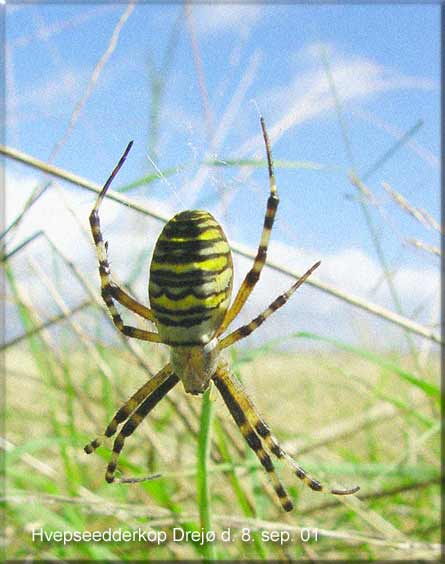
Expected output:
(191, 276)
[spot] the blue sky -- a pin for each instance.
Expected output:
(384, 61)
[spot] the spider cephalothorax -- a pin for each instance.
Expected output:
(190, 286)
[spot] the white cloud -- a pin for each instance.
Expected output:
(217, 18)
(52, 95)
(354, 271)
(49, 212)
(348, 269)
(308, 94)
(312, 51)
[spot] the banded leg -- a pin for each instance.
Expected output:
(109, 289)
(253, 275)
(246, 330)
(131, 425)
(263, 431)
(127, 409)
(130, 303)
(236, 405)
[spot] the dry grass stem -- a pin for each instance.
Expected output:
(160, 517)
(33, 198)
(93, 80)
(420, 215)
(237, 248)
(378, 413)
(432, 249)
(375, 495)
(47, 324)
(362, 188)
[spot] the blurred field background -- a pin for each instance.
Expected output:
(346, 374)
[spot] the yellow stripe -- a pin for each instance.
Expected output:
(189, 301)
(207, 235)
(213, 264)
(220, 246)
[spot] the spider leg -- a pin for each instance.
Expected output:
(133, 422)
(127, 409)
(235, 400)
(255, 422)
(111, 290)
(272, 444)
(246, 330)
(253, 275)
(130, 303)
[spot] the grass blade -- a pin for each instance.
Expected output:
(429, 389)
(202, 474)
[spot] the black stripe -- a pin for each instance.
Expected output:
(107, 292)
(244, 331)
(123, 413)
(119, 443)
(252, 278)
(253, 441)
(232, 404)
(188, 230)
(316, 486)
(170, 278)
(188, 292)
(262, 429)
(272, 203)
(163, 246)
(266, 461)
(276, 450)
(183, 312)
(268, 222)
(193, 215)
(184, 343)
(279, 302)
(147, 405)
(112, 427)
(189, 322)
(280, 491)
(185, 258)
(127, 330)
(94, 219)
(261, 254)
(111, 467)
(288, 506)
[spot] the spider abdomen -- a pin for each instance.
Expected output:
(191, 276)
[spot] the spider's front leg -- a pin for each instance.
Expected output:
(253, 275)
(110, 290)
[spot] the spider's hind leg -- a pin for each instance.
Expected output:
(233, 390)
(272, 444)
(236, 405)
(130, 405)
(170, 380)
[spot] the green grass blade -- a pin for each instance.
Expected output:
(149, 178)
(202, 474)
(429, 389)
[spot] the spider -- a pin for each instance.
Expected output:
(190, 286)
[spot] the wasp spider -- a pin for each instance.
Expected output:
(191, 277)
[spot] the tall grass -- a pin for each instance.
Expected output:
(51, 483)
(347, 413)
